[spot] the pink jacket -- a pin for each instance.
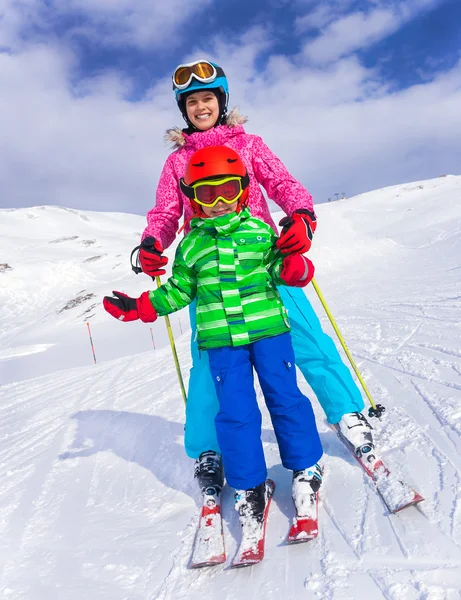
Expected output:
(264, 168)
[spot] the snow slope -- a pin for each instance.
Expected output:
(56, 264)
(98, 499)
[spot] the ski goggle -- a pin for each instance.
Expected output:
(201, 70)
(209, 193)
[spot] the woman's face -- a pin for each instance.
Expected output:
(202, 109)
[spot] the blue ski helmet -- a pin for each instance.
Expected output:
(198, 76)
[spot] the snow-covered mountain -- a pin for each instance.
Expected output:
(97, 497)
(56, 264)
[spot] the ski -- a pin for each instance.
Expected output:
(396, 494)
(305, 528)
(208, 549)
(251, 548)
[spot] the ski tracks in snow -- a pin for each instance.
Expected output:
(98, 498)
(53, 512)
(411, 366)
(37, 429)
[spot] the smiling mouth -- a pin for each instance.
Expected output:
(203, 117)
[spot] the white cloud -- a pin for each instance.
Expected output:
(349, 33)
(357, 30)
(14, 14)
(141, 23)
(95, 151)
(320, 14)
(315, 19)
(337, 127)
(84, 144)
(357, 142)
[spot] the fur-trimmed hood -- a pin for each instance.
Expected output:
(177, 138)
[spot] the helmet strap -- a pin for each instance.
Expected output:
(242, 201)
(198, 211)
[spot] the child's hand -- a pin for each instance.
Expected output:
(297, 270)
(124, 308)
(298, 230)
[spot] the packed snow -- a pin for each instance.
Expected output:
(98, 499)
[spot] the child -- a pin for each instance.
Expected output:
(201, 91)
(229, 265)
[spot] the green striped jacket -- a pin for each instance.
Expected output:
(228, 263)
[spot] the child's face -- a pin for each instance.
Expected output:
(202, 109)
(219, 209)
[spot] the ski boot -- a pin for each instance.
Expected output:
(357, 431)
(209, 473)
(305, 488)
(208, 547)
(252, 506)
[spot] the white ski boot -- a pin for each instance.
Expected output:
(357, 431)
(306, 484)
(305, 488)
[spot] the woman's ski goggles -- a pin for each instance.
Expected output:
(201, 70)
(209, 193)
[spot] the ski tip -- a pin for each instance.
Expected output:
(210, 562)
(416, 500)
(303, 530)
(247, 560)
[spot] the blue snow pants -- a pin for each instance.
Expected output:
(238, 422)
(315, 355)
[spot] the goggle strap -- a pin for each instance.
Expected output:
(187, 190)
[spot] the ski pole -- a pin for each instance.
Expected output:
(376, 410)
(137, 269)
(173, 349)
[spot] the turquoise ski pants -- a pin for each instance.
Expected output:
(316, 357)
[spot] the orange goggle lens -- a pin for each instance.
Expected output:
(208, 194)
(204, 71)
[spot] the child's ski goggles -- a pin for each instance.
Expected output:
(201, 70)
(209, 193)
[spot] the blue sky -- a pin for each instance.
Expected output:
(352, 95)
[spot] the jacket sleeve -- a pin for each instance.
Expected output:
(178, 291)
(163, 219)
(273, 261)
(280, 185)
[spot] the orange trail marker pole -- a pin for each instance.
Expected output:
(91, 342)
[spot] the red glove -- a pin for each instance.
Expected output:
(124, 308)
(297, 270)
(150, 257)
(298, 230)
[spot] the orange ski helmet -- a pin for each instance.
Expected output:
(213, 164)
